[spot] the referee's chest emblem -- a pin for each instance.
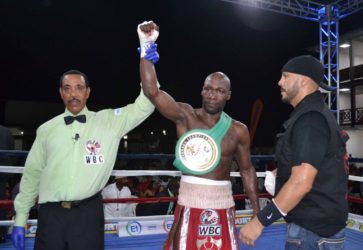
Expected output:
(93, 149)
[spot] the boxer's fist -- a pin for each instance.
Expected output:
(148, 33)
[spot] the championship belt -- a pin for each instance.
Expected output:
(198, 151)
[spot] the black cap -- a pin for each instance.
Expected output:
(309, 66)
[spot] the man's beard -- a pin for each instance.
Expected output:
(285, 99)
(291, 93)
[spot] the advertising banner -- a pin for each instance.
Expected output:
(138, 227)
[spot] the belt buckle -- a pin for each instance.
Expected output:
(66, 204)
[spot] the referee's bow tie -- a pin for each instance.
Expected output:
(69, 119)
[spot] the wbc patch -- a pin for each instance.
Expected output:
(209, 223)
(209, 230)
(93, 157)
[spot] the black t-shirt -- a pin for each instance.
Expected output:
(310, 139)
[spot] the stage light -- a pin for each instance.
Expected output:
(344, 45)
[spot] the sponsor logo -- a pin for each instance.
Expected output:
(167, 224)
(111, 227)
(133, 228)
(31, 230)
(350, 223)
(242, 220)
(152, 227)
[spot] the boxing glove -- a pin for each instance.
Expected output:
(18, 237)
(151, 54)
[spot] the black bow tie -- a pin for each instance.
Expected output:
(69, 119)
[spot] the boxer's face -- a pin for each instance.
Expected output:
(74, 93)
(215, 94)
(289, 87)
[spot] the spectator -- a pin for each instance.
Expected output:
(159, 208)
(172, 190)
(118, 189)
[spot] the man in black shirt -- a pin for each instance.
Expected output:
(312, 166)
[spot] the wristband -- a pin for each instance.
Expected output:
(269, 214)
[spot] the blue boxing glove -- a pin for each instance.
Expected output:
(151, 54)
(18, 237)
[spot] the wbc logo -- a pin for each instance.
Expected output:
(93, 149)
(209, 220)
(209, 227)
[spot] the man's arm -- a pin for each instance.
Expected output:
(247, 171)
(163, 102)
(166, 105)
(298, 185)
(29, 185)
(291, 193)
(130, 116)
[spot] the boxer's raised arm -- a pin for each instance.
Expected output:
(167, 106)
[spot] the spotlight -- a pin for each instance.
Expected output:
(344, 45)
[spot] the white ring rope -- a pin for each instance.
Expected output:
(19, 170)
(120, 219)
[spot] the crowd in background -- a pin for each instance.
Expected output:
(140, 187)
(165, 186)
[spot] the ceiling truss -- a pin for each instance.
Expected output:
(327, 14)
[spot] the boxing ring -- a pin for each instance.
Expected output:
(273, 237)
(150, 232)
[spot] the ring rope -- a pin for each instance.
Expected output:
(120, 219)
(19, 170)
